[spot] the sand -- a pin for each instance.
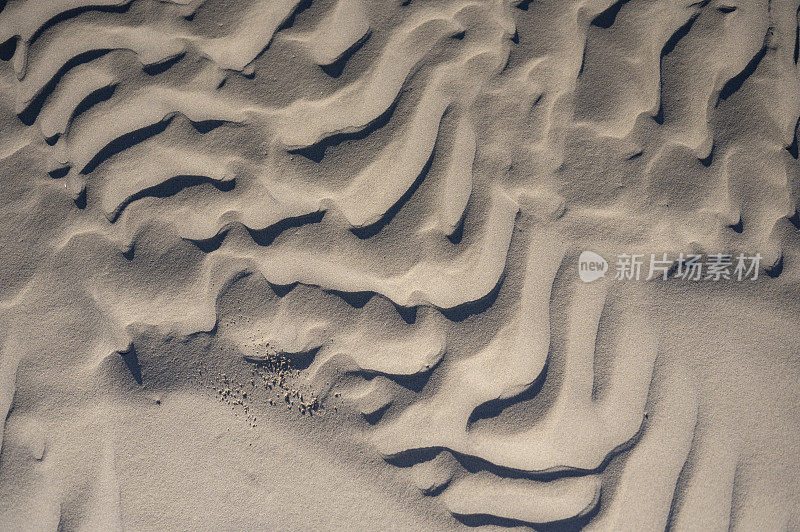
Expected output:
(318, 265)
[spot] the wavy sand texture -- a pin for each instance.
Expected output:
(282, 264)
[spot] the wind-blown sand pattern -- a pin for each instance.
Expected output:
(283, 264)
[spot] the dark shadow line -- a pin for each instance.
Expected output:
(206, 126)
(409, 314)
(316, 152)
(607, 18)
(171, 187)
(98, 96)
(126, 141)
(354, 299)
(416, 382)
(289, 22)
(457, 235)
(776, 269)
(58, 173)
(335, 68)
(571, 524)
(797, 36)
(131, 359)
(155, 69)
(475, 464)
(795, 218)
(374, 417)
(31, 111)
(494, 407)
(266, 236)
(735, 83)
(77, 11)
(707, 160)
(465, 310)
(8, 48)
(667, 49)
(208, 245)
(373, 229)
(80, 199)
(793, 148)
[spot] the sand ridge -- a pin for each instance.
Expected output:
(329, 250)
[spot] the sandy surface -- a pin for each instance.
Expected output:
(295, 265)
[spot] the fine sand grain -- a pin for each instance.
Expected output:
(317, 265)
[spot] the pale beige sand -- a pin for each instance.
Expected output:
(295, 265)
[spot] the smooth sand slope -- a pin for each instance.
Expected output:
(284, 264)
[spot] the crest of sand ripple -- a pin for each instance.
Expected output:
(666, 92)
